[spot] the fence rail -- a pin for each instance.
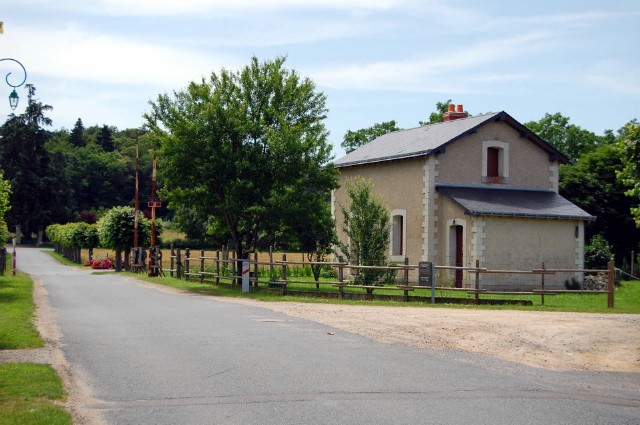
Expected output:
(225, 267)
(222, 266)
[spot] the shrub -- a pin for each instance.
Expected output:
(597, 253)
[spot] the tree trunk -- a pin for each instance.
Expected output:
(118, 260)
(241, 255)
(127, 262)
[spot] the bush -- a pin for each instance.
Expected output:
(597, 253)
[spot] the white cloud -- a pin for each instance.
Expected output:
(449, 71)
(199, 7)
(615, 76)
(82, 55)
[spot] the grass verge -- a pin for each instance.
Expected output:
(17, 327)
(28, 393)
(627, 297)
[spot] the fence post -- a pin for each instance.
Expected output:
(542, 293)
(255, 269)
(477, 281)
(284, 273)
(179, 263)
(172, 261)
(406, 271)
(217, 267)
(234, 271)
(611, 283)
(201, 265)
(187, 267)
(271, 267)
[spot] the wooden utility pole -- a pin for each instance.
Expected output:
(137, 260)
(153, 204)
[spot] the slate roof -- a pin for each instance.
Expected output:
(510, 202)
(433, 138)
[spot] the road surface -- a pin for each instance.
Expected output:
(148, 356)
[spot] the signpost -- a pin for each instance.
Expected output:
(427, 277)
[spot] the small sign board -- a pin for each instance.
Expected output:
(154, 204)
(425, 273)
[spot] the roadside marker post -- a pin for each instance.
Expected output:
(245, 277)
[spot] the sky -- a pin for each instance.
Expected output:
(376, 60)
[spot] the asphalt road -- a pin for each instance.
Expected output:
(156, 357)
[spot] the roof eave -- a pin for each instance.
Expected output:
(387, 158)
(524, 215)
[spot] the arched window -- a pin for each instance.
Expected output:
(398, 226)
(398, 239)
(495, 162)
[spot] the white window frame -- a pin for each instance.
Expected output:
(503, 162)
(398, 213)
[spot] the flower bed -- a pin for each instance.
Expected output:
(104, 264)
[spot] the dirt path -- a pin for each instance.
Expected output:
(559, 341)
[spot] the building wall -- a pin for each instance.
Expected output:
(529, 166)
(524, 244)
(399, 184)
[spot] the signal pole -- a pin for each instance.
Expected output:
(153, 204)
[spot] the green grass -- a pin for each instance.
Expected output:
(627, 297)
(17, 328)
(28, 393)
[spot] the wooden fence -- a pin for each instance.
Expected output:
(220, 267)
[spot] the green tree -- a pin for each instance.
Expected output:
(592, 184)
(435, 117)
(316, 233)
(630, 173)
(105, 139)
(39, 193)
(239, 147)
(76, 138)
(5, 191)
(570, 139)
(115, 231)
(366, 225)
(354, 139)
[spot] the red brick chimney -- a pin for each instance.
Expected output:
(455, 112)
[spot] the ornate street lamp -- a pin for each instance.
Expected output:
(13, 97)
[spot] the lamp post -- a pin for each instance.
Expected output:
(13, 97)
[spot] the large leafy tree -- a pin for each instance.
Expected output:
(38, 194)
(592, 184)
(241, 147)
(366, 225)
(5, 191)
(354, 139)
(570, 139)
(116, 230)
(630, 173)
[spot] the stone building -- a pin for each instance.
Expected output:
(472, 188)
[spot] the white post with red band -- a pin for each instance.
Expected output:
(245, 276)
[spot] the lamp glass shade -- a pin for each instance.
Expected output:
(13, 99)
